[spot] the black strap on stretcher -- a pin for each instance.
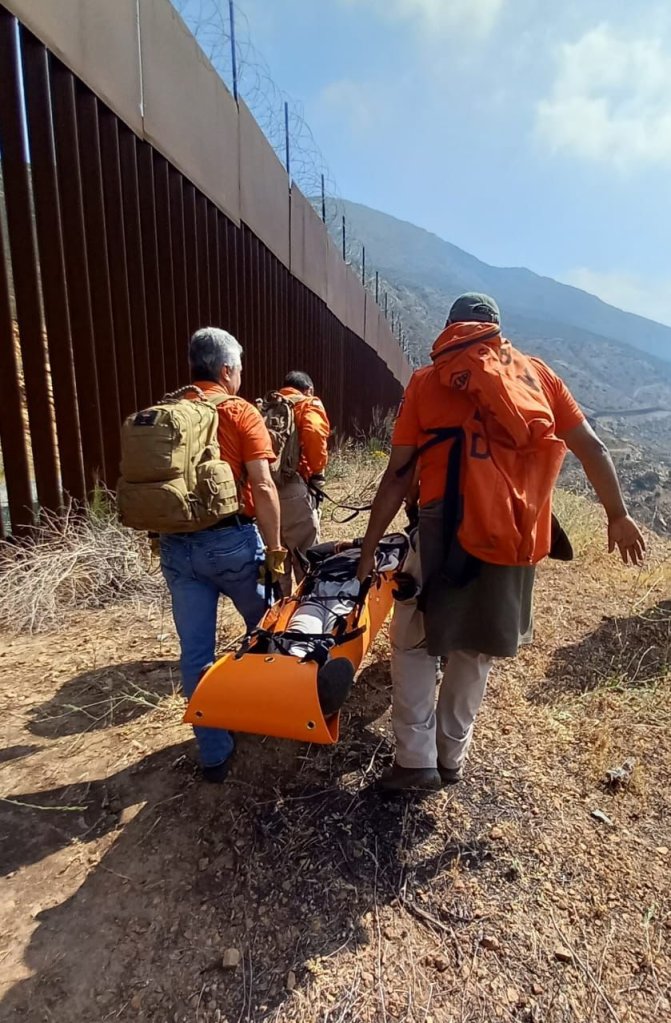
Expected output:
(355, 509)
(280, 642)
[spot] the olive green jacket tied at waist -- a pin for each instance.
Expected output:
(492, 614)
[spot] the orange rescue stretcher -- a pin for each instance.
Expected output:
(291, 682)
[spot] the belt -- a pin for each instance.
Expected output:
(230, 520)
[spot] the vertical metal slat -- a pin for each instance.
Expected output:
(203, 260)
(135, 267)
(76, 268)
(165, 271)
(99, 278)
(191, 249)
(179, 271)
(213, 264)
(52, 263)
(12, 435)
(145, 167)
(116, 260)
(25, 271)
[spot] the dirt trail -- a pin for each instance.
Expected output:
(126, 881)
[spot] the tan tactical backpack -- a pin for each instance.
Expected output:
(278, 411)
(172, 477)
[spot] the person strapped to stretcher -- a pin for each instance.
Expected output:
(292, 674)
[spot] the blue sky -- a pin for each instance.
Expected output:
(527, 132)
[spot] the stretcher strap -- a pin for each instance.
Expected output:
(355, 509)
(281, 642)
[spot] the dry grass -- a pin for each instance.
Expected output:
(376, 437)
(583, 520)
(83, 559)
(354, 473)
(86, 559)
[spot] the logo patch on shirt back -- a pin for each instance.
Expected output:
(460, 380)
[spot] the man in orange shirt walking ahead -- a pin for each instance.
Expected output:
(228, 557)
(302, 441)
(488, 428)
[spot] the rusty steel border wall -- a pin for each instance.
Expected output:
(143, 202)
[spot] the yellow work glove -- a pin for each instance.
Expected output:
(273, 565)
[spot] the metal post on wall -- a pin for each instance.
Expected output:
(286, 138)
(323, 201)
(377, 285)
(234, 59)
(386, 301)
(363, 265)
(344, 239)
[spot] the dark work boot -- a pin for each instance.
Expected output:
(450, 775)
(218, 773)
(409, 779)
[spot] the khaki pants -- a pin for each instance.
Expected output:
(299, 526)
(427, 730)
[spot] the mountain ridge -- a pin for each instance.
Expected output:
(421, 257)
(618, 383)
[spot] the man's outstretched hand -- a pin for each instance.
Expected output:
(624, 534)
(366, 566)
(388, 500)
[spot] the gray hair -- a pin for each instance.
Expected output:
(210, 349)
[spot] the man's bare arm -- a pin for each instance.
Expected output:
(388, 500)
(623, 532)
(266, 502)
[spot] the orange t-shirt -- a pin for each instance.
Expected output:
(242, 436)
(314, 430)
(428, 404)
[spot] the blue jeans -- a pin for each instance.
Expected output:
(197, 568)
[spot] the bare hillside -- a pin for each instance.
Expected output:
(611, 359)
(617, 365)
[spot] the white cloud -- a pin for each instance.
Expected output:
(611, 100)
(438, 18)
(645, 296)
(354, 103)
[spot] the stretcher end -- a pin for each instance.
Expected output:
(265, 694)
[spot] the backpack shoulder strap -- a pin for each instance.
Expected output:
(219, 399)
(275, 397)
(181, 392)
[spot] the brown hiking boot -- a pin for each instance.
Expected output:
(450, 775)
(408, 779)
